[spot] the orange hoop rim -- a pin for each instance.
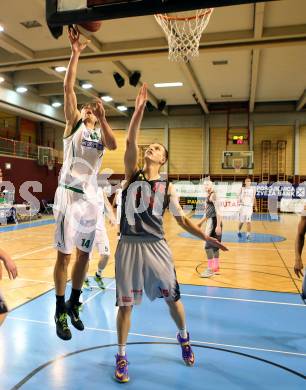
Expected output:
(166, 17)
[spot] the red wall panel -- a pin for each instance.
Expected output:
(28, 170)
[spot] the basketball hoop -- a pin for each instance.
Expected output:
(184, 33)
(237, 164)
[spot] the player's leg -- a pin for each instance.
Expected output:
(63, 241)
(249, 227)
(78, 275)
(104, 252)
(160, 281)
(304, 285)
(84, 218)
(129, 287)
(208, 272)
(240, 224)
(123, 328)
(216, 263)
(177, 313)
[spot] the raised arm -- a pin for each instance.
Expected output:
(107, 133)
(72, 113)
(186, 222)
(299, 245)
(131, 151)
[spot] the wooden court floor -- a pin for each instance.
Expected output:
(260, 266)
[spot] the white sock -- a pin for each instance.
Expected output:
(121, 349)
(99, 273)
(248, 234)
(183, 333)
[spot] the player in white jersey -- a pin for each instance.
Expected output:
(101, 241)
(247, 202)
(86, 135)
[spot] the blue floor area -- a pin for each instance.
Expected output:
(25, 225)
(242, 239)
(242, 339)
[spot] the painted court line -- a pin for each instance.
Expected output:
(169, 338)
(244, 300)
(99, 292)
(31, 280)
(31, 252)
(238, 299)
(253, 248)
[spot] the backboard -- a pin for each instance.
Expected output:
(237, 159)
(65, 12)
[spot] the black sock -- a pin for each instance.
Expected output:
(75, 295)
(60, 304)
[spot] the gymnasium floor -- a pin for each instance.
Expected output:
(247, 324)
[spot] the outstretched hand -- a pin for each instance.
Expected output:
(216, 243)
(9, 265)
(142, 98)
(298, 268)
(74, 37)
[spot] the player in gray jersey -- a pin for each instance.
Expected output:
(213, 228)
(143, 259)
(86, 136)
(299, 245)
(12, 273)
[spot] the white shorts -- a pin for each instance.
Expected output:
(245, 214)
(75, 219)
(101, 242)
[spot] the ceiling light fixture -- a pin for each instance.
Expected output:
(60, 69)
(56, 104)
(86, 85)
(167, 85)
(1, 28)
(21, 89)
(122, 108)
(107, 98)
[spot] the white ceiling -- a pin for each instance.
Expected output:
(264, 45)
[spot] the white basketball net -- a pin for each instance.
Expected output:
(237, 164)
(184, 34)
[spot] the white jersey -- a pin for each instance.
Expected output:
(118, 200)
(247, 196)
(83, 152)
(101, 210)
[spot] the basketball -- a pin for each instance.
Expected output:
(92, 26)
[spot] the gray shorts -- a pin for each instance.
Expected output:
(144, 264)
(3, 307)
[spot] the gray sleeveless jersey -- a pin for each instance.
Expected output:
(143, 206)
